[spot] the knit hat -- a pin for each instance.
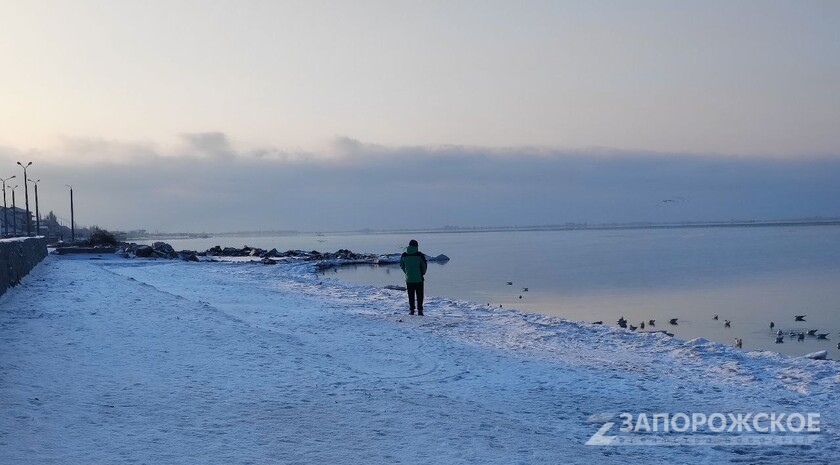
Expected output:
(412, 243)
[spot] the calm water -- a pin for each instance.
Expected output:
(749, 275)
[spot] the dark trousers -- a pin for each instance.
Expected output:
(415, 290)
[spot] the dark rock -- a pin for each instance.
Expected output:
(144, 251)
(188, 255)
(162, 246)
(301, 254)
(164, 250)
(268, 261)
(231, 252)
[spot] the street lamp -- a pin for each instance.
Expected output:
(72, 221)
(37, 211)
(5, 210)
(14, 212)
(26, 192)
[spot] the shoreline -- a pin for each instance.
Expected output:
(343, 259)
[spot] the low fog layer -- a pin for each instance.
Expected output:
(206, 184)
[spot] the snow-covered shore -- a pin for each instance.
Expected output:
(143, 361)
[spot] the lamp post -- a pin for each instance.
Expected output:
(37, 210)
(72, 220)
(14, 212)
(26, 193)
(5, 210)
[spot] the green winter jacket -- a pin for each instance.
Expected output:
(413, 264)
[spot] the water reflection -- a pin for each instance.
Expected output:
(749, 303)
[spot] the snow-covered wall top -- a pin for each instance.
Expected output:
(19, 239)
(17, 258)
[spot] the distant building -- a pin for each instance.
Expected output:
(16, 217)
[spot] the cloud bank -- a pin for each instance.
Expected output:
(205, 183)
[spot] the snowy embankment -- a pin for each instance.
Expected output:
(116, 360)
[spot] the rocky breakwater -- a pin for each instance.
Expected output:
(395, 258)
(156, 250)
(323, 260)
(266, 257)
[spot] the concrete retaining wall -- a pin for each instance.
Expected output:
(18, 257)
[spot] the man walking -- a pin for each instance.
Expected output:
(413, 264)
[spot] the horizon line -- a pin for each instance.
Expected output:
(569, 226)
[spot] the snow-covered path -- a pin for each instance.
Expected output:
(137, 361)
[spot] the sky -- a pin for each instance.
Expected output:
(271, 115)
